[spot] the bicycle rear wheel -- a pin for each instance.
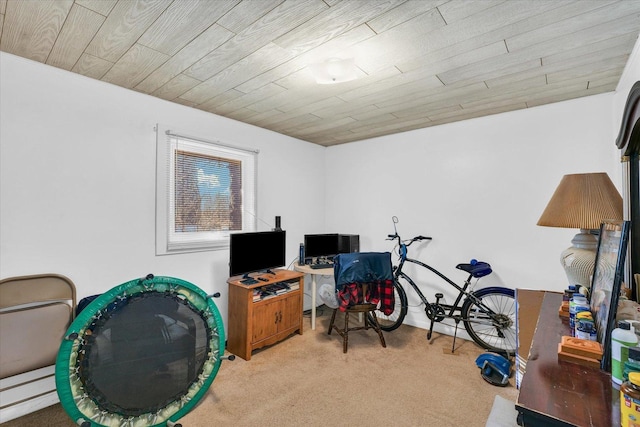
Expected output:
(497, 331)
(395, 319)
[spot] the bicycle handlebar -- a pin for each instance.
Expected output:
(415, 239)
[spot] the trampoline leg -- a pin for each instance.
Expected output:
(83, 423)
(173, 424)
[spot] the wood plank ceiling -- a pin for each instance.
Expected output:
(420, 63)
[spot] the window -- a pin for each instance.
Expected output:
(204, 191)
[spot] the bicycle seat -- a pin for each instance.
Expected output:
(477, 269)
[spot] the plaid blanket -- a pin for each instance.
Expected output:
(380, 291)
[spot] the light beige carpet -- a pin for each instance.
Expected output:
(307, 380)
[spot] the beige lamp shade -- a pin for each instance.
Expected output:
(583, 201)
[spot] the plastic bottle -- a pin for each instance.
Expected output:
(630, 400)
(580, 316)
(632, 364)
(586, 330)
(577, 304)
(633, 324)
(568, 293)
(622, 338)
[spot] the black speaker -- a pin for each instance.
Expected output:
(348, 243)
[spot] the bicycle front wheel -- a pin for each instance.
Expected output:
(394, 320)
(492, 324)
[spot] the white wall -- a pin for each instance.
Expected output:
(77, 180)
(477, 187)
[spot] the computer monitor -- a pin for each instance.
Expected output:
(256, 251)
(321, 245)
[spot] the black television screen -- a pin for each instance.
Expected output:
(320, 245)
(256, 251)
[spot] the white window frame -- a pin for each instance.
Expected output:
(167, 240)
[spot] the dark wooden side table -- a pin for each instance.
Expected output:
(557, 393)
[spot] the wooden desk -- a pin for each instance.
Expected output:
(554, 393)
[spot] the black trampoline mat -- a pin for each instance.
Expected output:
(143, 353)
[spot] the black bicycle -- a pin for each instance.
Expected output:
(488, 314)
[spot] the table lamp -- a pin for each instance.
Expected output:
(582, 201)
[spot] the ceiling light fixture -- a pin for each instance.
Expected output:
(334, 70)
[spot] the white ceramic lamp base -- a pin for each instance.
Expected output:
(578, 265)
(578, 260)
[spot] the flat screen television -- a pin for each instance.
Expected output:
(321, 245)
(256, 251)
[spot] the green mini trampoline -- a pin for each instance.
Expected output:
(142, 354)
